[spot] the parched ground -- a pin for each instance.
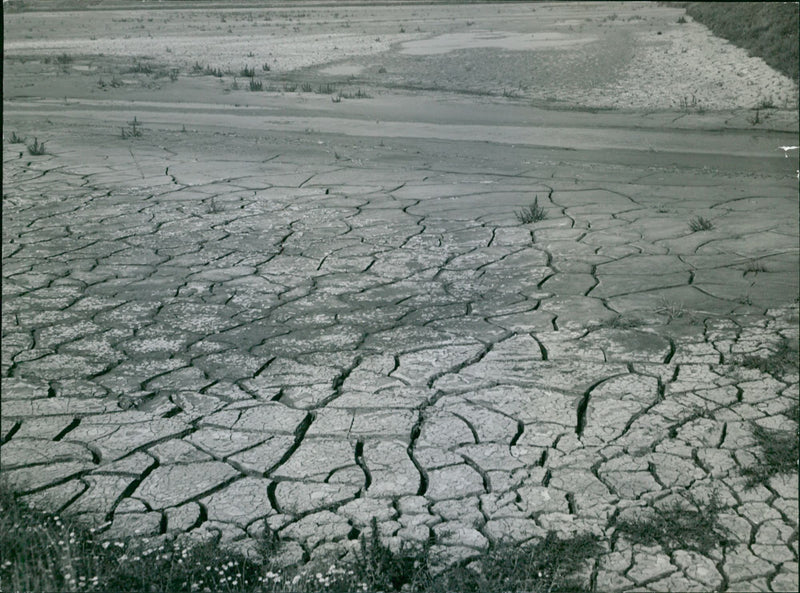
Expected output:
(275, 310)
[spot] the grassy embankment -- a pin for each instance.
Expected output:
(769, 30)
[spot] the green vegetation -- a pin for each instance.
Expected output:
(680, 525)
(45, 553)
(532, 213)
(14, 139)
(768, 30)
(256, 85)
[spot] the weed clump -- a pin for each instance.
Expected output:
(779, 452)
(784, 358)
(256, 85)
(700, 224)
(14, 139)
(689, 525)
(36, 148)
(133, 130)
(532, 213)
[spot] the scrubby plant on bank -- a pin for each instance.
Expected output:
(14, 139)
(45, 553)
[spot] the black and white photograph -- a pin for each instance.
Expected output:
(399, 296)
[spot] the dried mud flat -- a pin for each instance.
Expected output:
(274, 310)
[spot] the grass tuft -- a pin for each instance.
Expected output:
(532, 213)
(687, 525)
(36, 148)
(784, 358)
(256, 85)
(700, 224)
(14, 139)
(779, 452)
(133, 130)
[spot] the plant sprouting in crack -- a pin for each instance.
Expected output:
(531, 213)
(686, 523)
(133, 130)
(777, 451)
(13, 138)
(699, 223)
(36, 148)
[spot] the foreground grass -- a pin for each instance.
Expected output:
(47, 553)
(768, 30)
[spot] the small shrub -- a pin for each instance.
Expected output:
(265, 67)
(248, 72)
(235, 85)
(173, 74)
(337, 98)
(289, 87)
(700, 224)
(256, 85)
(326, 89)
(63, 59)
(532, 213)
(382, 70)
(681, 20)
(198, 67)
(36, 148)
(306, 87)
(14, 139)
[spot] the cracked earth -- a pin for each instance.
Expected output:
(212, 334)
